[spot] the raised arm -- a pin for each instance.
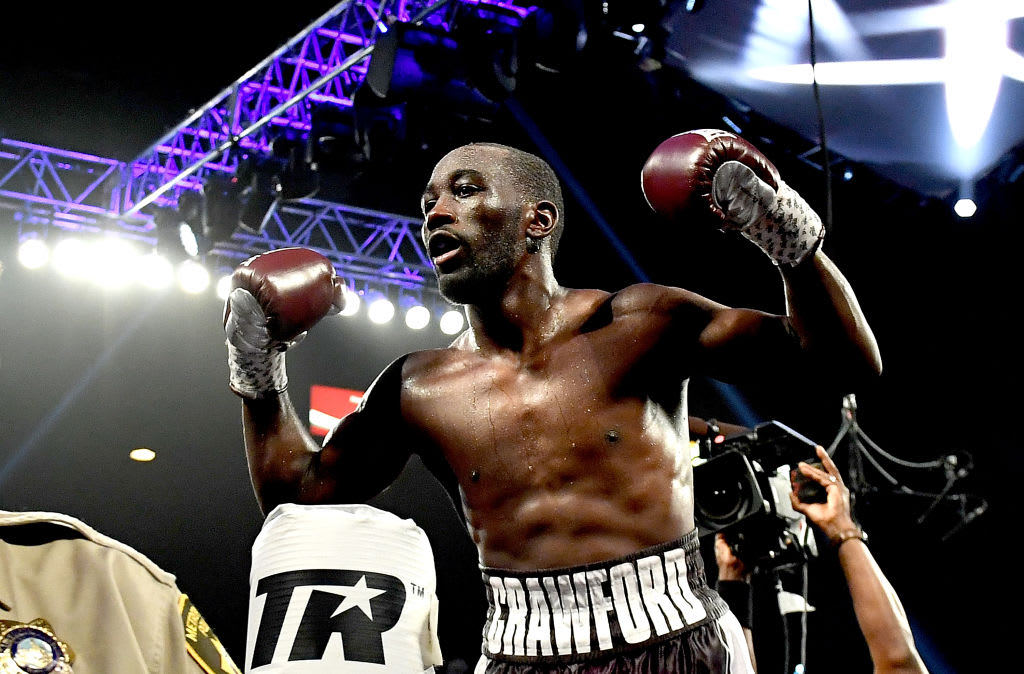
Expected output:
(879, 611)
(276, 298)
(715, 178)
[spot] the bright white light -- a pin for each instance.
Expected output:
(417, 317)
(70, 257)
(155, 271)
(857, 73)
(224, 287)
(188, 240)
(114, 263)
(381, 310)
(142, 454)
(452, 321)
(638, 27)
(193, 277)
(965, 208)
(352, 301)
(975, 43)
(33, 253)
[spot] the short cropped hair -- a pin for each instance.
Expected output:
(537, 180)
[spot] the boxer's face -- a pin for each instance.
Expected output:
(473, 224)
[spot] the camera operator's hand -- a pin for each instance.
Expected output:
(833, 517)
(730, 567)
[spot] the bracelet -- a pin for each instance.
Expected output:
(848, 535)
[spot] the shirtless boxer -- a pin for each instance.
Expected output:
(558, 419)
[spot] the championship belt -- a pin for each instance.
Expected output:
(33, 648)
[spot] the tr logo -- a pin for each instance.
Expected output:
(358, 605)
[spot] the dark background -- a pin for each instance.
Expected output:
(86, 375)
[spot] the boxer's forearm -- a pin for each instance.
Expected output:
(279, 449)
(828, 320)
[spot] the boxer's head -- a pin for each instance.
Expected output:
(487, 208)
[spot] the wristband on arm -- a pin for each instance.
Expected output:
(737, 595)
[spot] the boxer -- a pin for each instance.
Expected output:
(558, 420)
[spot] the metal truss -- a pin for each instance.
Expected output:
(52, 189)
(48, 187)
(322, 65)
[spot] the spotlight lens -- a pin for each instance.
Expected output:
(188, 240)
(142, 454)
(155, 271)
(70, 257)
(115, 263)
(33, 253)
(417, 317)
(193, 277)
(381, 311)
(224, 287)
(352, 302)
(452, 322)
(965, 208)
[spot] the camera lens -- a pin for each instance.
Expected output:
(725, 491)
(722, 502)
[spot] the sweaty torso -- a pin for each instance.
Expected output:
(571, 452)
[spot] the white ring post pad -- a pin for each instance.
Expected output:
(341, 589)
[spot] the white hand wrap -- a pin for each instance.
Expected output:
(780, 222)
(255, 361)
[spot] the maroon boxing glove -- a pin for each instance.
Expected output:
(713, 175)
(275, 299)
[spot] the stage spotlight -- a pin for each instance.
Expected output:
(114, 262)
(142, 454)
(193, 277)
(965, 208)
(224, 286)
(259, 203)
(380, 310)
(452, 321)
(33, 253)
(190, 209)
(297, 180)
(693, 6)
(331, 143)
(155, 271)
(551, 37)
(222, 209)
(352, 302)
(417, 316)
(70, 257)
(175, 239)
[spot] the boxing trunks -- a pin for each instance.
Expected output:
(651, 612)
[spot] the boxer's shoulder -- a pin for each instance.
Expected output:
(651, 299)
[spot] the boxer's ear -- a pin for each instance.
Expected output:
(543, 219)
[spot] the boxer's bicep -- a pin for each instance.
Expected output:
(366, 451)
(737, 343)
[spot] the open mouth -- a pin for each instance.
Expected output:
(442, 247)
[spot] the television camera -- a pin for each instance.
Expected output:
(741, 489)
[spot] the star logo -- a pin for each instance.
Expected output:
(358, 595)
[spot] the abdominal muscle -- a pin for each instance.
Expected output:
(600, 514)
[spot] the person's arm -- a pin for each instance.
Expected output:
(276, 298)
(361, 456)
(734, 587)
(879, 611)
(826, 316)
(715, 178)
